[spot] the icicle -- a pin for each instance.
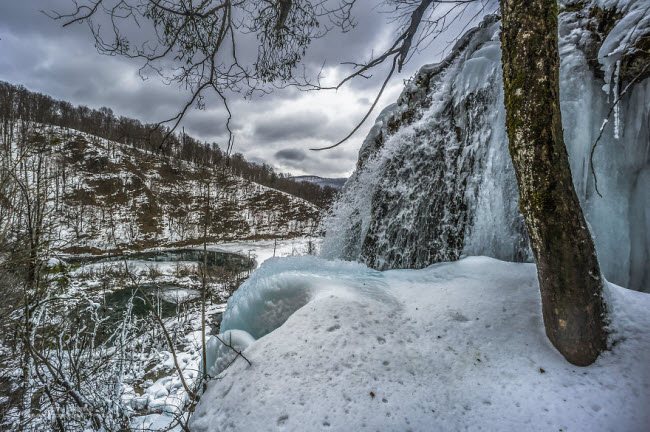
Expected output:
(616, 106)
(603, 125)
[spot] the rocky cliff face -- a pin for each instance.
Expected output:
(434, 179)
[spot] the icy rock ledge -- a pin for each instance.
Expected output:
(455, 346)
(279, 288)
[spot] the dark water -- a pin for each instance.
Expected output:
(231, 262)
(116, 302)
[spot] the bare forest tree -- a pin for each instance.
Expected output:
(51, 334)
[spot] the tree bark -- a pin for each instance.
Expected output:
(569, 275)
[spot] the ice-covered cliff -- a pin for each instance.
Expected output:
(434, 179)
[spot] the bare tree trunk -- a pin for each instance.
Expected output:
(204, 357)
(567, 267)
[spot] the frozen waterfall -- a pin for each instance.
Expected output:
(434, 179)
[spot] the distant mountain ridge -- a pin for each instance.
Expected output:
(334, 183)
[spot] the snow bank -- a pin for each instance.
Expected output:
(279, 288)
(282, 286)
(455, 346)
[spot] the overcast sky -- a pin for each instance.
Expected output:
(277, 129)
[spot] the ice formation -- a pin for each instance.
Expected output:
(219, 356)
(264, 302)
(279, 288)
(434, 179)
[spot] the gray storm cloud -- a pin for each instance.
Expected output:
(41, 55)
(291, 126)
(291, 155)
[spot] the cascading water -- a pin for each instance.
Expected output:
(434, 179)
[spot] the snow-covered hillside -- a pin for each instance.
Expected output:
(456, 346)
(434, 178)
(107, 196)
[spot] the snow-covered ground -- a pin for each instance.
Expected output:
(164, 398)
(455, 346)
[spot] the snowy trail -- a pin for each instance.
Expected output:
(464, 350)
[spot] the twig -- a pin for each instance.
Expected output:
(239, 353)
